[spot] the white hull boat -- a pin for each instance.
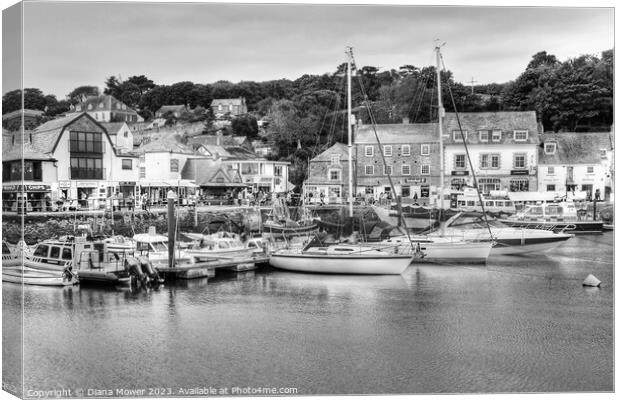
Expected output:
(440, 249)
(339, 259)
(29, 276)
(508, 240)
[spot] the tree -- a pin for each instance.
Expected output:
(245, 125)
(33, 100)
(81, 93)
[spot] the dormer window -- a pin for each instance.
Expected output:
(497, 136)
(90, 106)
(520, 136)
(456, 135)
(124, 107)
(118, 106)
(603, 153)
(78, 108)
(101, 105)
(550, 148)
(484, 136)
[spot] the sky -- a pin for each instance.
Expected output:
(69, 44)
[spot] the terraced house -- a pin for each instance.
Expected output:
(503, 147)
(411, 153)
(328, 175)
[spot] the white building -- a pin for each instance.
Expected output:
(573, 162)
(88, 162)
(121, 134)
(503, 147)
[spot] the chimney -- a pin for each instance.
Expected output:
(405, 120)
(218, 138)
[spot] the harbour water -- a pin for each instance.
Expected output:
(518, 324)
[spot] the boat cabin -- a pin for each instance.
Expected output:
(60, 252)
(150, 243)
(551, 212)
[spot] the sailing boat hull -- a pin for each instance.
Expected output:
(352, 264)
(446, 251)
(279, 230)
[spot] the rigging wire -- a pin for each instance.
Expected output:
(471, 166)
(374, 128)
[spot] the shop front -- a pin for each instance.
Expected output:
(157, 191)
(27, 197)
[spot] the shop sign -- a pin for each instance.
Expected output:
(26, 188)
(64, 184)
(127, 184)
(460, 173)
(87, 184)
(519, 172)
(415, 180)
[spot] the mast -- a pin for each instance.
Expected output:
(349, 52)
(440, 114)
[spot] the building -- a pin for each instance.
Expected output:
(411, 153)
(106, 108)
(231, 107)
(176, 110)
(86, 162)
(38, 172)
(121, 135)
(217, 180)
(572, 162)
(161, 162)
(328, 175)
(503, 148)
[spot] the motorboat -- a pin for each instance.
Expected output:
(341, 259)
(439, 249)
(56, 254)
(13, 255)
(217, 245)
(561, 216)
(30, 276)
(508, 240)
(155, 248)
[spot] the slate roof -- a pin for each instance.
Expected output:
(506, 121)
(235, 102)
(337, 148)
(26, 111)
(173, 108)
(13, 153)
(167, 143)
(397, 133)
(204, 173)
(574, 147)
(107, 101)
(45, 137)
(112, 127)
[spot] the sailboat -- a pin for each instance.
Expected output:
(342, 258)
(280, 224)
(439, 248)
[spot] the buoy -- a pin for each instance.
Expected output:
(591, 280)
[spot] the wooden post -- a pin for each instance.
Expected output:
(171, 229)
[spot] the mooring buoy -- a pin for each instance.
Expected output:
(591, 280)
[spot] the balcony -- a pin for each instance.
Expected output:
(86, 173)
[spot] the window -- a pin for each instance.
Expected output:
(369, 170)
(406, 150)
(142, 172)
(459, 161)
(127, 163)
(335, 159)
(496, 136)
(550, 188)
(550, 148)
(41, 251)
(334, 174)
(590, 169)
(387, 170)
(78, 108)
(520, 136)
(55, 252)
(126, 134)
(488, 184)
(369, 151)
(387, 150)
(90, 106)
(484, 136)
(405, 191)
(519, 161)
(425, 149)
(489, 161)
(550, 170)
(425, 169)
(118, 106)
(456, 135)
(85, 142)
(277, 170)
(457, 183)
(66, 254)
(603, 153)
(174, 165)
(519, 185)
(101, 105)
(86, 168)
(405, 169)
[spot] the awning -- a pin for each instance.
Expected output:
(223, 184)
(168, 184)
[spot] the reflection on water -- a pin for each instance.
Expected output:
(518, 324)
